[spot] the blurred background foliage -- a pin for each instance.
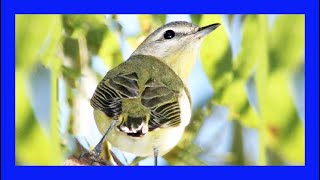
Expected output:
(247, 87)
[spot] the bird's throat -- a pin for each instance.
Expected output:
(182, 64)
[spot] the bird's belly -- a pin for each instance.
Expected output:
(163, 138)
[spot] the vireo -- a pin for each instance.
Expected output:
(143, 105)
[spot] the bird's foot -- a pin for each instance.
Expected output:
(92, 157)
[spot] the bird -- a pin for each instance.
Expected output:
(143, 105)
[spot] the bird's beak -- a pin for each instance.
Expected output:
(203, 31)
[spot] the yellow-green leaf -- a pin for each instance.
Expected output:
(110, 50)
(286, 42)
(36, 37)
(250, 46)
(216, 55)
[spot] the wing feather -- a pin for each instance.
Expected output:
(163, 104)
(111, 91)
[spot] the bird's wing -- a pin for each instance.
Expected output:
(162, 103)
(110, 92)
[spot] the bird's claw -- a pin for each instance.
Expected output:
(92, 156)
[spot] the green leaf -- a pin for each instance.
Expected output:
(94, 38)
(250, 47)
(36, 38)
(71, 49)
(261, 80)
(34, 146)
(91, 27)
(281, 129)
(286, 42)
(49, 53)
(216, 54)
(110, 50)
(85, 22)
(282, 121)
(293, 147)
(21, 98)
(234, 97)
(228, 78)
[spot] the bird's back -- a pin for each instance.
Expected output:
(143, 93)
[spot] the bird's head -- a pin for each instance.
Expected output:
(175, 44)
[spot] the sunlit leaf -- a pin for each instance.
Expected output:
(279, 116)
(293, 145)
(278, 107)
(261, 80)
(21, 98)
(49, 52)
(36, 37)
(286, 42)
(216, 54)
(250, 44)
(235, 98)
(34, 146)
(86, 22)
(110, 50)
(282, 119)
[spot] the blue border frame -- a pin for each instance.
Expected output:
(11, 7)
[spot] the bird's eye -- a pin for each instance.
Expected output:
(169, 34)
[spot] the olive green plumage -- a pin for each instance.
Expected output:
(143, 92)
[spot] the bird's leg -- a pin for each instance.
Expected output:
(95, 153)
(155, 151)
(97, 149)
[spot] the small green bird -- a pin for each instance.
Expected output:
(143, 105)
